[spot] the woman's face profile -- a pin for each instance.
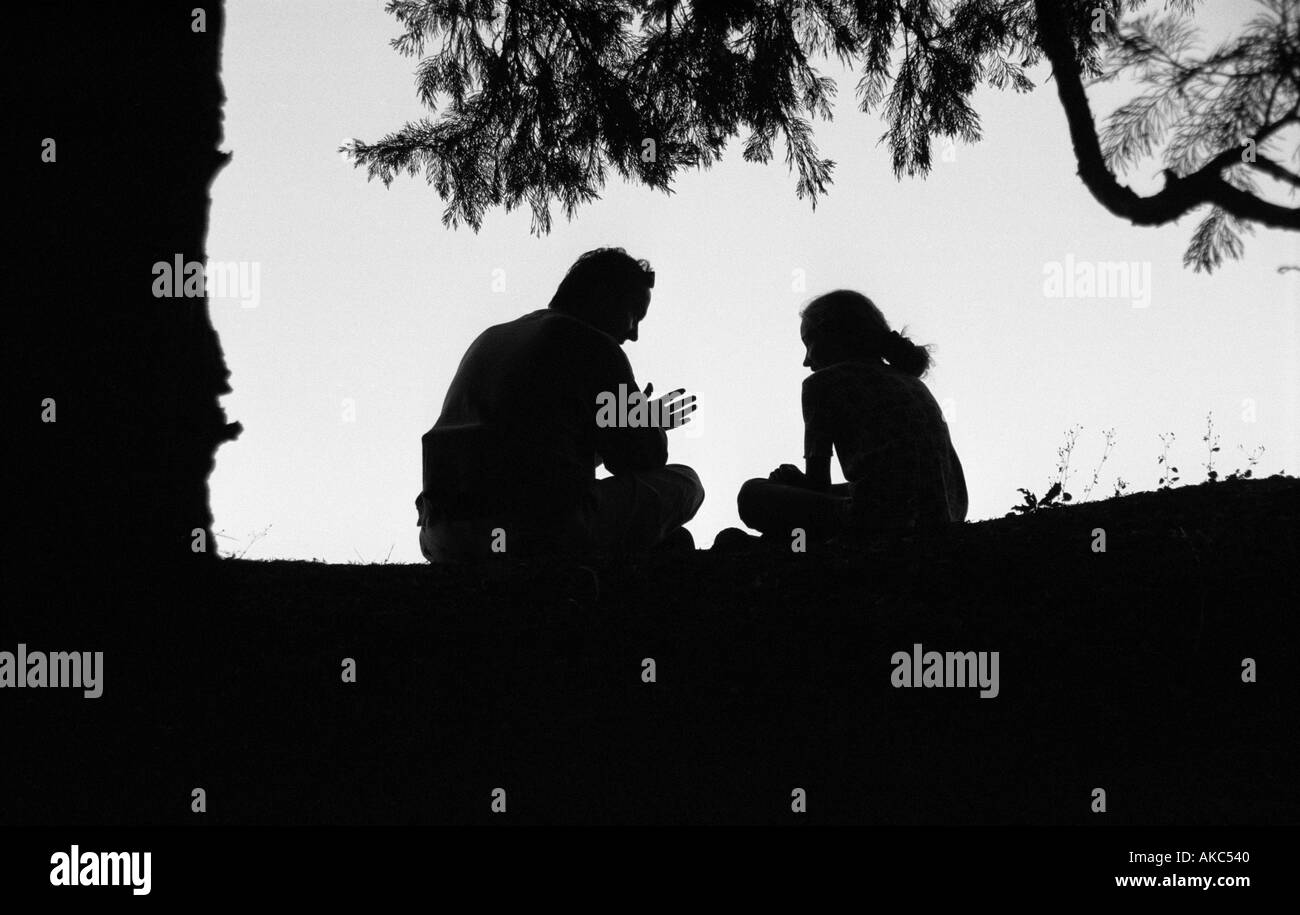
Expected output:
(816, 348)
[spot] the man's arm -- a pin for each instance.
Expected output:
(626, 449)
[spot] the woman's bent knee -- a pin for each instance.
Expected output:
(750, 501)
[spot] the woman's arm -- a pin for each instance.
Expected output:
(818, 472)
(818, 433)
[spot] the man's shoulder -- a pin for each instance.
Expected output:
(553, 342)
(589, 345)
(547, 323)
(550, 318)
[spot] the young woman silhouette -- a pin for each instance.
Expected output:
(865, 401)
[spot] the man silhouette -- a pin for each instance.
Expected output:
(510, 464)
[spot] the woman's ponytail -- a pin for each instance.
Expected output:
(904, 355)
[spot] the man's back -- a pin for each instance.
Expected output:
(517, 428)
(534, 377)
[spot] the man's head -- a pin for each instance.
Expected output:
(608, 289)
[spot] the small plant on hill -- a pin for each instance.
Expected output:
(1032, 503)
(252, 539)
(1169, 473)
(1212, 444)
(1056, 494)
(1063, 461)
(1109, 435)
(1252, 458)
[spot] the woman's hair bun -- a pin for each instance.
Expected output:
(905, 355)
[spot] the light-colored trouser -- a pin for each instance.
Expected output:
(622, 513)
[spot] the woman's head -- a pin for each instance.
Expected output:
(846, 326)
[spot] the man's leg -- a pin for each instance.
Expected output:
(489, 538)
(635, 511)
(461, 541)
(776, 509)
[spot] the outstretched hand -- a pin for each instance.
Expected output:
(673, 409)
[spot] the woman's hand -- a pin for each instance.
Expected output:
(790, 475)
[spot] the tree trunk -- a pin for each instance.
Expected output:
(132, 98)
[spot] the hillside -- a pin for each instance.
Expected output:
(1119, 670)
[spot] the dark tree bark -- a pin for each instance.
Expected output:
(132, 97)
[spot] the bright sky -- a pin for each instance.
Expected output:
(366, 302)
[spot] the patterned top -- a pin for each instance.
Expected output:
(892, 441)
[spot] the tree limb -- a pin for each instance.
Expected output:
(1273, 170)
(1180, 193)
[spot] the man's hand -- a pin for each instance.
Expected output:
(790, 475)
(673, 409)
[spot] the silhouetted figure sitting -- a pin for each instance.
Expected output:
(865, 399)
(537, 404)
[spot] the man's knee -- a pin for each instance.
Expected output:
(434, 545)
(692, 489)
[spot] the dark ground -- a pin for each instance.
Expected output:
(1119, 670)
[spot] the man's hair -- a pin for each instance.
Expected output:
(599, 279)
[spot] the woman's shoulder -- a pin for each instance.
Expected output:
(850, 369)
(873, 386)
(852, 374)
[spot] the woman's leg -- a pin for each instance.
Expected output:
(776, 509)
